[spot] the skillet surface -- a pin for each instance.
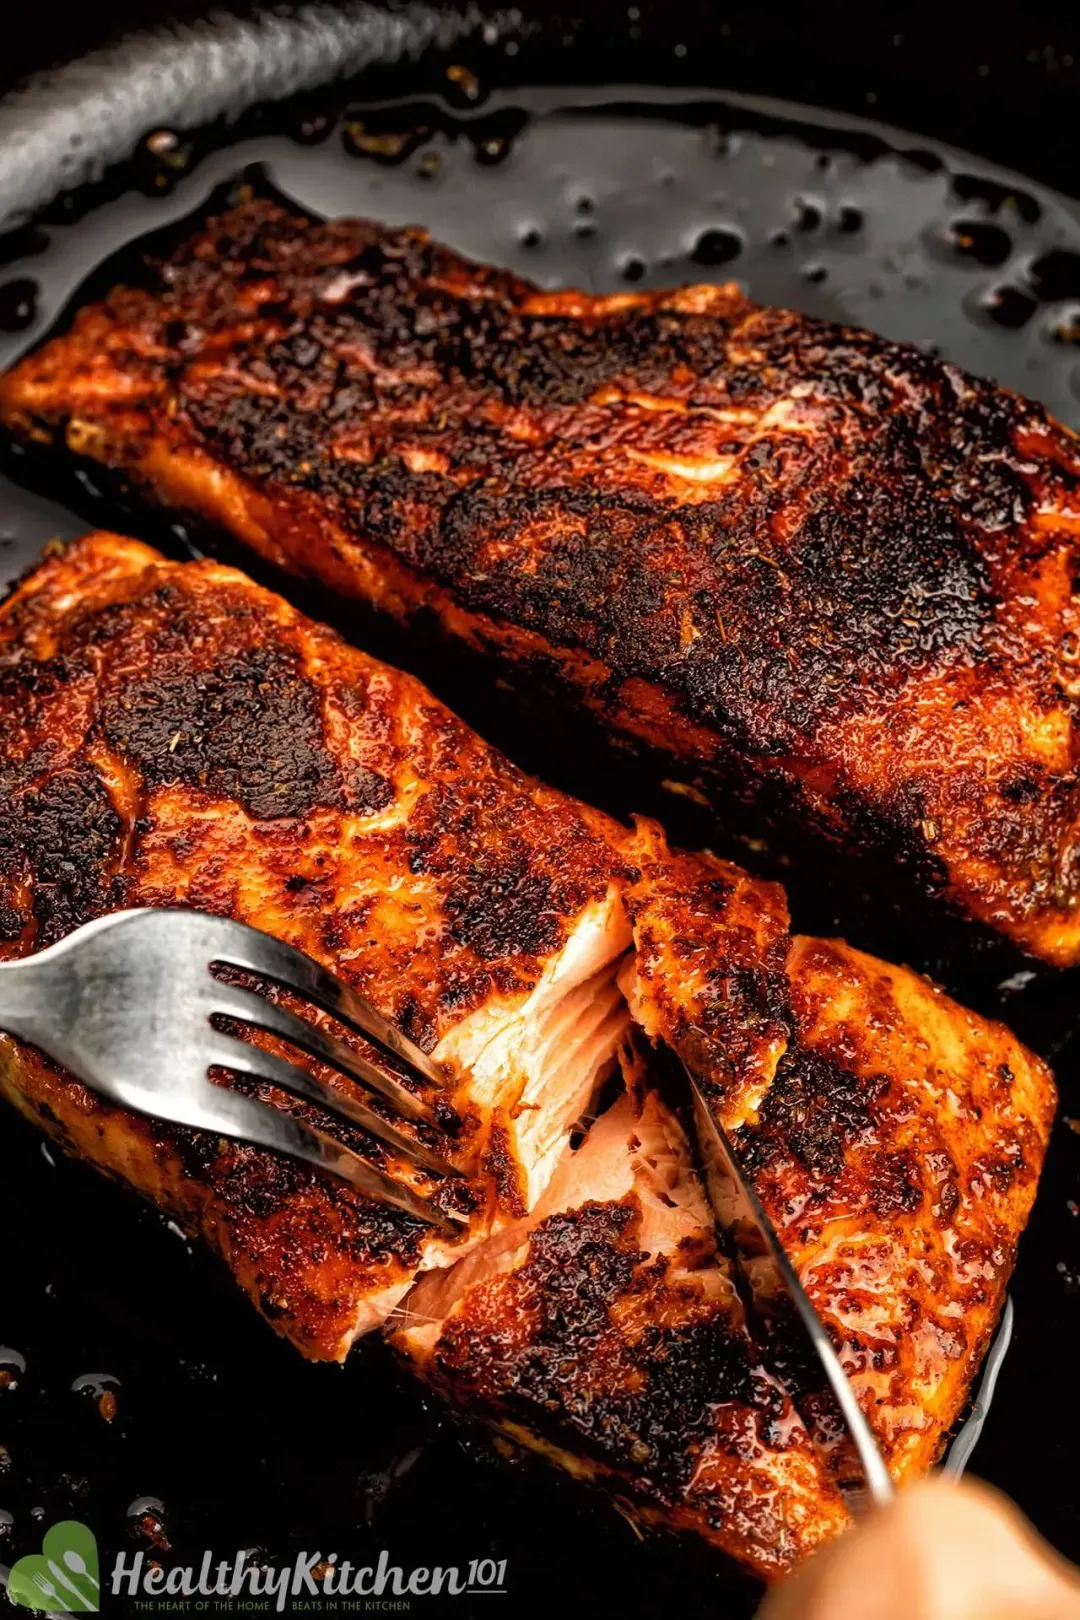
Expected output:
(219, 1436)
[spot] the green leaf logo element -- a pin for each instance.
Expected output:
(63, 1577)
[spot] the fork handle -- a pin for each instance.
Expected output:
(28, 1003)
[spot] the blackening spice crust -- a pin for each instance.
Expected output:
(812, 564)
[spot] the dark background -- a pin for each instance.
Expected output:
(221, 1436)
(1001, 79)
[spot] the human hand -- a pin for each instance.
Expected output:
(941, 1551)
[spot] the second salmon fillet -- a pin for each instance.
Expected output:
(808, 566)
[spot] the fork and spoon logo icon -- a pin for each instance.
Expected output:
(63, 1577)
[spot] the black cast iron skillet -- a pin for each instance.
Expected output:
(825, 159)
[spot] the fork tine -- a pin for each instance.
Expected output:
(255, 1009)
(231, 1053)
(230, 1113)
(271, 958)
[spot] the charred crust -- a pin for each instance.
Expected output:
(500, 1163)
(762, 641)
(249, 729)
(270, 1195)
(63, 835)
(814, 1112)
(550, 1347)
(711, 950)
(513, 869)
(364, 791)
(877, 573)
(501, 906)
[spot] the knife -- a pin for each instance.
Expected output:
(720, 1162)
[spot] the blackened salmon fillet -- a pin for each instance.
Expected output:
(817, 569)
(172, 734)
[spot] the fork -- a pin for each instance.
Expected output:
(53, 1600)
(130, 1005)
